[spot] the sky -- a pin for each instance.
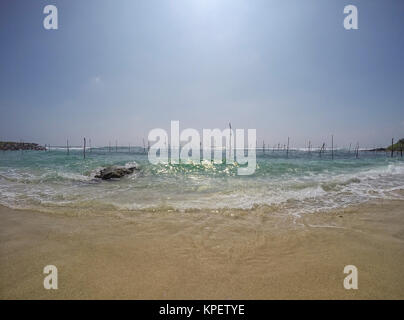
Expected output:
(114, 70)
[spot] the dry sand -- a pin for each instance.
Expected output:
(204, 255)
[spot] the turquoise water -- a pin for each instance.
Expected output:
(302, 183)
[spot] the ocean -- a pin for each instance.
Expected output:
(298, 184)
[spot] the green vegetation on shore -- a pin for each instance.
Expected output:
(398, 146)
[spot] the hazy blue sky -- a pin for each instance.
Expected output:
(117, 69)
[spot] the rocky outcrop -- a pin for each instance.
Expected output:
(8, 145)
(377, 149)
(115, 172)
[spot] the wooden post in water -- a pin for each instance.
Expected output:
(287, 150)
(392, 144)
(84, 149)
(116, 145)
(322, 150)
(90, 149)
(230, 143)
(357, 150)
(109, 146)
(67, 146)
(332, 147)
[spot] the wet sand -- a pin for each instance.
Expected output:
(204, 255)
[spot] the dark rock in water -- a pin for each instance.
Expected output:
(9, 145)
(115, 172)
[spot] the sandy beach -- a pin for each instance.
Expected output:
(201, 255)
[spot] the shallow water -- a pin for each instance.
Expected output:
(301, 183)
